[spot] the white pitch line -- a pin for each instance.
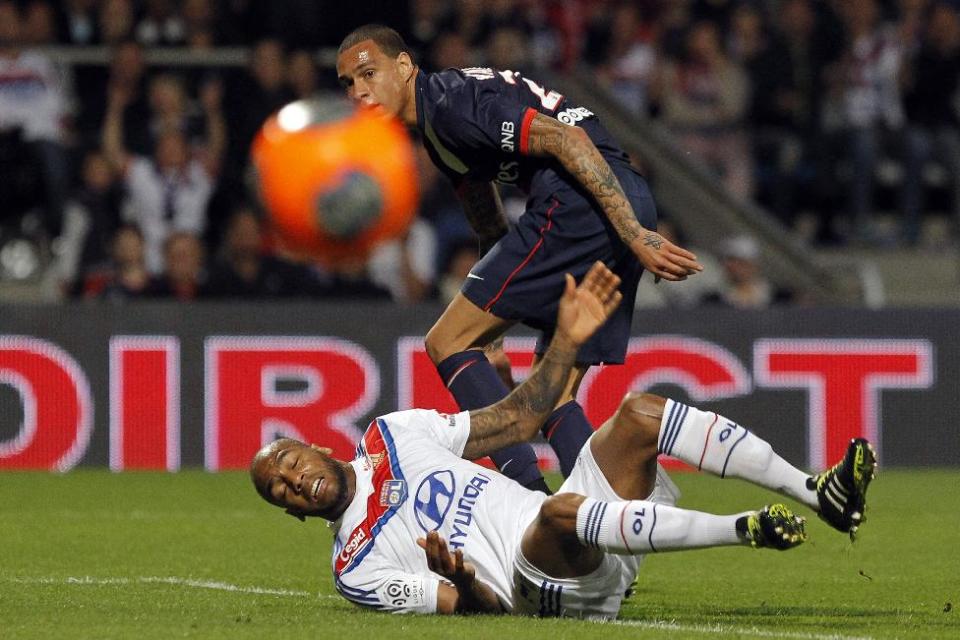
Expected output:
(659, 625)
(171, 580)
(222, 586)
(662, 625)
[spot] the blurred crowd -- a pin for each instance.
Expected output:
(131, 179)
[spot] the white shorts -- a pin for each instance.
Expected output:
(599, 593)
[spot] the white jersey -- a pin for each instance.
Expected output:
(32, 96)
(148, 192)
(412, 480)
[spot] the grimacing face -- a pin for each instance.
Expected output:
(303, 480)
(374, 79)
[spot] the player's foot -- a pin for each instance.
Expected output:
(773, 526)
(842, 489)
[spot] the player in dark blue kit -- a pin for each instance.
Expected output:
(586, 203)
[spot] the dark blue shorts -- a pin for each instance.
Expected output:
(522, 277)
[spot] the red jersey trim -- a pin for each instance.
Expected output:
(525, 129)
(380, 450)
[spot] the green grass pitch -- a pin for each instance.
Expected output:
(92, 554)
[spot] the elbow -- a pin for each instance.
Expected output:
(575, 143)
(575, 139)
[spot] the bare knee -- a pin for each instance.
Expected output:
(447, 337)
(625, 447)
(641, 413)
(558, 513)
(462, 326)
(648, 404)
(437, 345)
(550, 542)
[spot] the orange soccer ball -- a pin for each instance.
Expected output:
(336, 181)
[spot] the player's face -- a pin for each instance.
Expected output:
(303, 480)
(374, 79)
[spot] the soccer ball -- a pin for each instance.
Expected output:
(336, 181)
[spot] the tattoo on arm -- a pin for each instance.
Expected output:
(653, 240)
(518, 417)
(484, 211)
(576, 152)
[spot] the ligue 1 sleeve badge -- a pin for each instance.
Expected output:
(393, 493)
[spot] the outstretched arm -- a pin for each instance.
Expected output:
(484, 211)
(574, 149)
(111, 137)
(517, 418)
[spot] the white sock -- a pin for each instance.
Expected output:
(637, 526)
(710, 442)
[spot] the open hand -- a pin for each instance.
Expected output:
(440, 561)
(664, 259)
(584, 308)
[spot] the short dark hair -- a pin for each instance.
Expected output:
(389, 41)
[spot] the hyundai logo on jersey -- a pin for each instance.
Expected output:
(434, 498)
(463, 516)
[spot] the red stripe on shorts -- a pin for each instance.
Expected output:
(536, 247)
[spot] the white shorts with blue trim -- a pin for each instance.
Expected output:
(598, 594)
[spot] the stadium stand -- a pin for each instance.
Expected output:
(837, 151)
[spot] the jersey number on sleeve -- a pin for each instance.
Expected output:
(549, 99)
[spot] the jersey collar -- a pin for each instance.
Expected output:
(364, 485)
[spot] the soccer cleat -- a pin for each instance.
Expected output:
(773, 526)
(842, 489)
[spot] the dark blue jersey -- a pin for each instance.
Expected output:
(475, 123)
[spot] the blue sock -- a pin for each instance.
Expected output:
(567, 430)
(474, 383)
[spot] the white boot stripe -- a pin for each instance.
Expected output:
(833, 482)
(835, 496)
(834, 502)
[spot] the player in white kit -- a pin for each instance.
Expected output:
(421, 529)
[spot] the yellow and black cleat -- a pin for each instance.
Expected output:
(842, 489)
(774, 526)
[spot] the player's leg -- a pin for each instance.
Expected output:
(625, 448)
(455, 344)
(520, 279)
(713, 443)
(463, 326)
(633, 515)
(572, 532)
(567, 429)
